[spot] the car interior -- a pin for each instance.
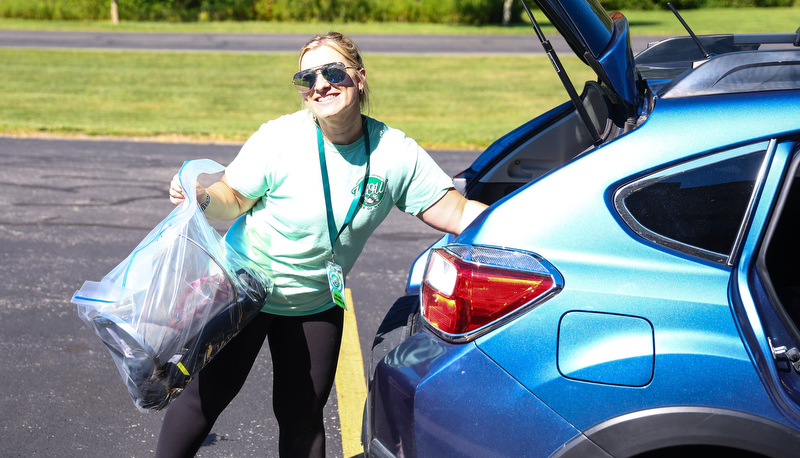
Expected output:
(556, 144)
(778, 259)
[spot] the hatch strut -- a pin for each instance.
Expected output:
(565, 81)
(688, 29)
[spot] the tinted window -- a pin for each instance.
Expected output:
(698, 205)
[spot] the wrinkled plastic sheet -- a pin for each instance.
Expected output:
(174, 302)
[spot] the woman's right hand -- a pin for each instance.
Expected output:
(176, 195)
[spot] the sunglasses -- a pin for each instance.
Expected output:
(334, 73)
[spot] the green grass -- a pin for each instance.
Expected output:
(453, 102)
(715, 20)
(443, 102)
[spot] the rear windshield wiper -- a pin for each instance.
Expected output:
(565, 81)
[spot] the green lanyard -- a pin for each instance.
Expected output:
(359, 194)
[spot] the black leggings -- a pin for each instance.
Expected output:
(304, 352)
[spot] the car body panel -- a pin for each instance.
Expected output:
(417, 372)
(606, 348)
(589, 261)
(641, 270)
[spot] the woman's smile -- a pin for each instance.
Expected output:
(329, 101)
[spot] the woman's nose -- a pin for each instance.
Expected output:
(320, 81)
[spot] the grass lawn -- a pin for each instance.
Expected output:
(225, 97)
(441, 101)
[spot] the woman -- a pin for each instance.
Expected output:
(313, 185)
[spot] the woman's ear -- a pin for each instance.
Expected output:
(362, 73)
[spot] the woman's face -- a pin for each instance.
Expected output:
(327, 100)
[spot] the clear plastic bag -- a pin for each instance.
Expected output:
(174, 302)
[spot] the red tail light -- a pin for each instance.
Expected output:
(467, 289)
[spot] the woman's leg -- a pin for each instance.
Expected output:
(304, 351)
(189, 418)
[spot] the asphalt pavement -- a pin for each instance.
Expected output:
(72, 209)
(291, 43)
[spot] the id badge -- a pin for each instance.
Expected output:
(336, 283)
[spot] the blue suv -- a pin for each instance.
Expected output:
(634, 287)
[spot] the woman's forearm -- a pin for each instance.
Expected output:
(225, 203)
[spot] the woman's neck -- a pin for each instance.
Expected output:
(342, 131)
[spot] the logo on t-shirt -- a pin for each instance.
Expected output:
(373, 195)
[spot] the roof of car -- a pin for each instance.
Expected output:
(676, 67)
(750, 71)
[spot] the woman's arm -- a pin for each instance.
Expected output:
(226, 203)
(452, 213)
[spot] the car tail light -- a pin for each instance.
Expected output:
(468, 290)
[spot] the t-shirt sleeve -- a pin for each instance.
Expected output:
(428, 183)
(247, 173)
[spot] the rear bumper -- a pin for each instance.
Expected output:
(431, 398)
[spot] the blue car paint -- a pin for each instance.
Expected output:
(619, 63)
(699, 347)
(716, 369)
(606, 348)
(603, 281)
(419, 391)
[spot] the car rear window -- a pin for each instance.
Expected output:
(696, 207)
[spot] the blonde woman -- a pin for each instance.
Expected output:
(308, 189)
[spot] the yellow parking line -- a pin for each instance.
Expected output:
(351, 389)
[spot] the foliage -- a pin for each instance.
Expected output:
(469, 12)
(621, 5)
(55, 9)
(434, 11)
(186, 10)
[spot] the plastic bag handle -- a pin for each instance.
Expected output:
(189, 173)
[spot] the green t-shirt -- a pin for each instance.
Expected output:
(286, 232)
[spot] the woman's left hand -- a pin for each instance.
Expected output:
(176, 195)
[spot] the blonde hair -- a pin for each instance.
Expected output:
(347, 48)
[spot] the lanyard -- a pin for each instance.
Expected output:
(359, 194)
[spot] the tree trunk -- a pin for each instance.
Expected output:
(507, 12)
(114, 12)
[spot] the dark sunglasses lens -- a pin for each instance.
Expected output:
(305, 80)
(334, 74)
